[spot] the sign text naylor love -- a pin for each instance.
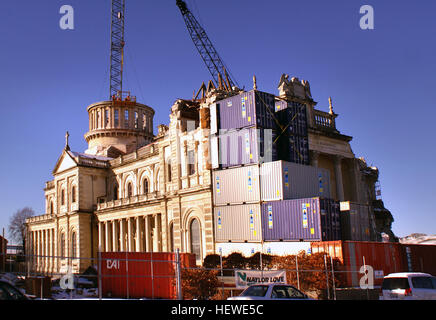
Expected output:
(245, 278)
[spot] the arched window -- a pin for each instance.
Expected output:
(63, 197)
(195, 237)
(73, 244)
(73, 194)
(129, 190)
(145, 186)
(63, 244)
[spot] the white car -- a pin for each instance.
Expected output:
(408, 286)
(271, 292)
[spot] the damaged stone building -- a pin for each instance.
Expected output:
(132, 190)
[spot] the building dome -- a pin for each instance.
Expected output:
(118, 127)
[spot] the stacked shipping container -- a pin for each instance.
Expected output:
(356, 222)
(383, 257)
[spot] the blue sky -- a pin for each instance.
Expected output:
(382, 81)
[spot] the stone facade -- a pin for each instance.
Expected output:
(133, 191)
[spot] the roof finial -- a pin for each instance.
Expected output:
(330, 106)
(67, 135)
(254, 82)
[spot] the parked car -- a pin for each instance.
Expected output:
(271, 292)
(10, 292)
(408, 286)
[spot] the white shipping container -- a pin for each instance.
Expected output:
(282, 180)
(236, 185)
(238, 223)
(214, 155)
(213, 119)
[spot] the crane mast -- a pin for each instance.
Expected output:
(117, 48)
(205, 47)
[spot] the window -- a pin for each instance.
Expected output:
(98, 119)
(63, 197)
(116, 193)
(169, 170)
(195, 239)
(136, 120)
(126, 118)
(73, 194)
(144, 122)
(395, 283)
(129, 190)
(73, 244)
(116, 117)
(63, 245)
(106, 117)
(171, 237)
(255, 291)
(286, 292)
(191, 162)
(145, 186)
(51, 207)
(422, 282)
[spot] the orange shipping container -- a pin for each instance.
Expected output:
(420, 258)
(383, 257)
(141, 274)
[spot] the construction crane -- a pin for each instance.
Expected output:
(206, 49)
(117, 48)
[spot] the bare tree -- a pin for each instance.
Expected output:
(17, 227)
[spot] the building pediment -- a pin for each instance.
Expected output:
(66, 161)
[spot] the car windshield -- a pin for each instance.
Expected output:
(395, 283)
(255, 291)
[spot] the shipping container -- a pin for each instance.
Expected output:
(252, 108)
(284, 248)
(419, 258)
(383, 257)
(245, 146)
(309, 219)
(238, 223)
(292, 118)
(271, 181)
(141, 274)
(282, 180)
(356, 221)
(293, 149)
(236, 185)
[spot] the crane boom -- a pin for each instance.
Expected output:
(205, 47)
(117, 47)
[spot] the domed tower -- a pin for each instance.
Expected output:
(118, 126)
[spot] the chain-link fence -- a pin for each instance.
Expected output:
(135, 275)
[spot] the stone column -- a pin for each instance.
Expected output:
(106, 230)
(338, 175)
(148, 248)
(47, 243)
(100, 236)
(138, 246)
(314, 158)
(156, 233)
(129, 234)
(122, 236)
(114, 236)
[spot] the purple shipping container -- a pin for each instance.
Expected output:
(253, 108)
(246, 146)
(309, 219)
